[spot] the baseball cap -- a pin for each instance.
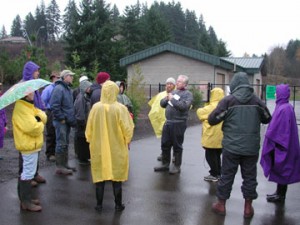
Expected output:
(65, 73)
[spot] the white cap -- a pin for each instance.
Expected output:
(83, 78)
(171, 80)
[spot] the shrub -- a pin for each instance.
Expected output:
(197, 95)
(136, 91)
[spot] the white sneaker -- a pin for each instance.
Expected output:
(211, 178)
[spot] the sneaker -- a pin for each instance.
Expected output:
(211, 178)
(52, 158)
(84, 162)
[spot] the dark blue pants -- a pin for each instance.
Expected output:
(230, 163)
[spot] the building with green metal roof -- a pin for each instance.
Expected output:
(170, 60)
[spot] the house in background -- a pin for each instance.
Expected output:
(170, 60)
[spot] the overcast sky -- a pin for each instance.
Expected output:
(253, 27)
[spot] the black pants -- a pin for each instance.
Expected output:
(50, 135)
(213, 158)
(230, 163)
(82, 148)
(172, 136)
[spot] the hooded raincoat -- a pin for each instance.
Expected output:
(28, 70)
(27, 129)
(242, 112)
(109, 131)
(157, 113)
(280, 158)
(211, 135)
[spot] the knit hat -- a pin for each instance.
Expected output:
(102, 77)
(84, 85)
(83, 78)
(171, 80)
(65, 73)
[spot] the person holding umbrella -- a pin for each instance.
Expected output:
(32, 71)
(28, 126)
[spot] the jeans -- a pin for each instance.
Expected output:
(62, 132)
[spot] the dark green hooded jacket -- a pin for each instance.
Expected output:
(242, 112)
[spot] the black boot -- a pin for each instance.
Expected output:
(99, 195)
(279, 195)
(117, 186)
(175, 168)
(166, 157)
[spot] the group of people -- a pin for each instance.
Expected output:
(230, 134)
(231, 138)
(94, 121)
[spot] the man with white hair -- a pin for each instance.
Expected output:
(157, 113)
(177, 105)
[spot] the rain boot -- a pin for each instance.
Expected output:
(117, 187)
(34, 201)
(99, 195)
(60, 165)
(25, 190)
(165, 162)
(248, 209)
(66, 162)
(175, 167)
(279, 195)
(219, 207)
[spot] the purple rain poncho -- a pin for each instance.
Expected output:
(3, 122)
(28, 70)
(280, 158)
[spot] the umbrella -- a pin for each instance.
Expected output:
(20, 90)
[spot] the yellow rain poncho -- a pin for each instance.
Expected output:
(211, 135)
(109, 131)
(157, 113)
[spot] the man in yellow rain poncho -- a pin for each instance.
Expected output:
(109, 131)
(157, 113)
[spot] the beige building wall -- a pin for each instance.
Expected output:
(158, 68)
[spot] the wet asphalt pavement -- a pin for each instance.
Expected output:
(150, 198)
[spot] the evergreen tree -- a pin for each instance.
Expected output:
(192, 32)
(3, 33)
(70, 26)
(132, 29)
(156, 30)
(176, 20)
(53, 21)
(39, 34)
(16, 27)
